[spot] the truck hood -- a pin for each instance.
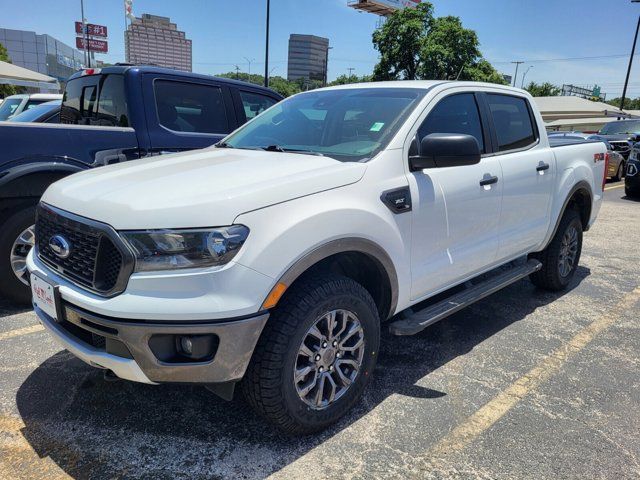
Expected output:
(202, 188)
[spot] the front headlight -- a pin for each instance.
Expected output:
(173, 249)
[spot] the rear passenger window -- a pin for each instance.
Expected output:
(512, 122)
(454, 114)
(254, 103)
(187, 107)
(95, 100)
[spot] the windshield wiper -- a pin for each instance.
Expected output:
(223, 145)
(278, 148)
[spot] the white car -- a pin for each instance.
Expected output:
(16, 104)
(274, 258)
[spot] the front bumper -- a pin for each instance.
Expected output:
(129, 350)
(129, 334)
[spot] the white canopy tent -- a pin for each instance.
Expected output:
(575, 113)
(14, 75)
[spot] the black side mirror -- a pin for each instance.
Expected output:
(445, 150)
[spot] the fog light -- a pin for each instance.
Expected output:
(187, 345)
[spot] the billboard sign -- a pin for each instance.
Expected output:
(92, 30)
(396, 4)
(100, 46)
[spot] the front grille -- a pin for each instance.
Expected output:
(95, 261)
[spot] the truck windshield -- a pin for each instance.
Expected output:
(9, 107)
(616, 128)
(351, 124)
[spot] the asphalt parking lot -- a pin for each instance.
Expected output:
(524, 384)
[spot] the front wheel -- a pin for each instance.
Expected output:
(315, 356)
(16, 240)
(560, 258)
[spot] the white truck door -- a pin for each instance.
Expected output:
(528, 170)
(455, 218)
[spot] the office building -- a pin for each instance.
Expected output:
(308, 56)
(41, 53)
(154, 40)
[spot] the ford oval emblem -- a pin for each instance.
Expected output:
(60, 246)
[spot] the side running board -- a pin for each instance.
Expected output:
(418, 321)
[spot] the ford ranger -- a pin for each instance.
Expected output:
(271, 260)
(108, 116)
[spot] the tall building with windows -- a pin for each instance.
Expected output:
(41, 53)
(154, 40)
(308, 57)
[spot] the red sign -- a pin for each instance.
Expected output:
(92, 30)
(100, 46)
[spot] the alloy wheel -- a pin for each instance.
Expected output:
(329, 358)
(19, 250)
(568, 251)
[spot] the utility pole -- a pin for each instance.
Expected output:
(326, 66)
(525, 75)
(85, 34)
(350, 69)
(515, 78)
(237, 72)
(633, 52)
(266, 49)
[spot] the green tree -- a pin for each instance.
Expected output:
(345, 79)
(545, 89)
(413, 44)
(6, 90)
(399, 41)
(629, 104)
(281, 85)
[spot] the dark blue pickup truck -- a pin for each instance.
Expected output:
(107, 116)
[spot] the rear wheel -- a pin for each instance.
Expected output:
(631, 193)
(619, 173)
(315, 356)
(16, 240)
(560, 258)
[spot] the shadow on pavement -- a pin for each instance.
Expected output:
(92, 428)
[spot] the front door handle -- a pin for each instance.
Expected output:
(542, 167)
(488, 181)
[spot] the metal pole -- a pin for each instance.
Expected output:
(266, 50)
(86, 37)
(515, 78)
(326, 66)
(633, 52)
(525, 75)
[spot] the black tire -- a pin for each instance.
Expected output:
(619, 173)
(10, 286)
(549, 276)
(631, 193)
(268, 384)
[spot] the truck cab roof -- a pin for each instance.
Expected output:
(127, 69)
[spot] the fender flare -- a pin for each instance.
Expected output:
(51, 167)
(581, 185)
(346, 245)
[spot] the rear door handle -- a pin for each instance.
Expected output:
(488, 181)
(542, 167)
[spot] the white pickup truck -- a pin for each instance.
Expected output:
(273, 259)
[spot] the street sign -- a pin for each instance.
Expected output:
(92, 30)
(100, 46)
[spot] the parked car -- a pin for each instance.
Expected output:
(108, 116)
(16, 104)
(632, 179)
(621, 134)
(274, 257)
(616, 165)
(48, 112)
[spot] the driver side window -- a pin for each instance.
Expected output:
(454, 114)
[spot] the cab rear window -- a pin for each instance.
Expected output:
(95, 100)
